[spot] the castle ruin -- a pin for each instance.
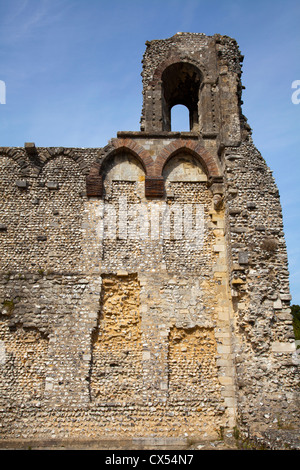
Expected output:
(145, 285)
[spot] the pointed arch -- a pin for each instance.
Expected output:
(207, 161)
(128, 145)
(94, 180)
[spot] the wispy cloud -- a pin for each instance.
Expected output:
(22, 18)
(19, 7)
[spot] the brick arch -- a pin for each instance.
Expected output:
(128, 145)
(37, 157)
(17, 155)
(208, 162)
(94, 180)
(45, 155)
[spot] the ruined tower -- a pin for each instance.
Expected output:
(145, 285)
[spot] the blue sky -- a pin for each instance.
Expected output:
(72, 73)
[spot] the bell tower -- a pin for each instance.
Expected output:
(200, 72)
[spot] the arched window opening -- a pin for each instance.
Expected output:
(122, 166)
(180, 86)
(180, 118)
(183, 167)
(123, 170)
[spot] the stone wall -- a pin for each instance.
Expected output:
(102, 310)
(144, 286)
(266, 361)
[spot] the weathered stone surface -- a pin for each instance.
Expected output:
(147, 281)
(21, 183)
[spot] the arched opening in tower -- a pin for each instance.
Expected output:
(180, 85)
